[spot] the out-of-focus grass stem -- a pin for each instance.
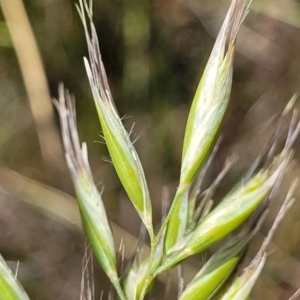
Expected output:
(35, 80)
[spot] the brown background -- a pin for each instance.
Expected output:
(154, 53)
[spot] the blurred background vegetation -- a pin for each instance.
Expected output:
(154, 53)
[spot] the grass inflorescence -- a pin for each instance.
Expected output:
(192, 224)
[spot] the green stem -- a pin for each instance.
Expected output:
(149, 277)
(150, 232)
(119, 290)
(179, 194)
(166, 266)
(154, 242)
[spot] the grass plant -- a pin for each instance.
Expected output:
(191, 224)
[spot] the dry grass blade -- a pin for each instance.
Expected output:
(87, 282)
